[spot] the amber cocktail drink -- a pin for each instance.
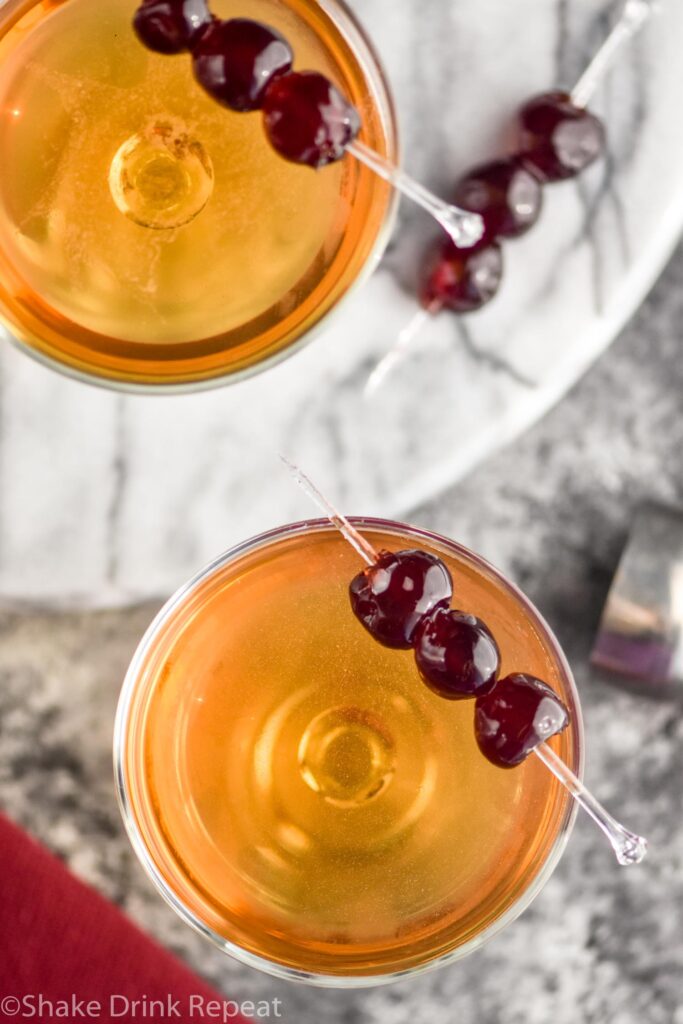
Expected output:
(301, 797)
(149, 236)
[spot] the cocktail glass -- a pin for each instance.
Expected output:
(301, 798)
(150, 238)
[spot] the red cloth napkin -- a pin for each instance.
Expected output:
(60, 940)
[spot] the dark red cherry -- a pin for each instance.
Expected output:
(506, 194)
(171, 26)
(558, 138)
(461, 280)
(456, 654)
(392, 596)
(519, 713)
(236, 60)
(307, 119)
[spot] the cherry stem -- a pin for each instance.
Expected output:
(633, 17)
(401, 349)
(463, 227)
(628, 847)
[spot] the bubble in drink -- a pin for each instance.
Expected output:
(161, 177)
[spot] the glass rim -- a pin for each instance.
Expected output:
(351, 29)
(123, 713)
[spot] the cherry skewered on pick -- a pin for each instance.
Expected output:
(519, 714)
(307, 120)
(506, 194)
(392, 596)
(456, 654)
(236, 61)
(461, 280)
(171, 26)
(558, 138)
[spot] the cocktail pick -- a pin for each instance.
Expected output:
(628, 847)
(634, 15)
(247, 66)
(401, 349)
(462, 226)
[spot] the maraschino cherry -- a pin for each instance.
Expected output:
(171, 26)
(506, 194)
(461, 280)
(515, 717)
(392, 597)
(558, 138)
(307, 120)
(236, 61)
(456, 654)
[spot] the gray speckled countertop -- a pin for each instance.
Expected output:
(600, 945)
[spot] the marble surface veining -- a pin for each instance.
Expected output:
(601, 944)
(109, 499)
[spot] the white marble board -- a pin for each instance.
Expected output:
(107, 499)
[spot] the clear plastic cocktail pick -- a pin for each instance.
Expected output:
(628, 847)
(400, 350)
(463, 226)
(356, 539)
(633, 16)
